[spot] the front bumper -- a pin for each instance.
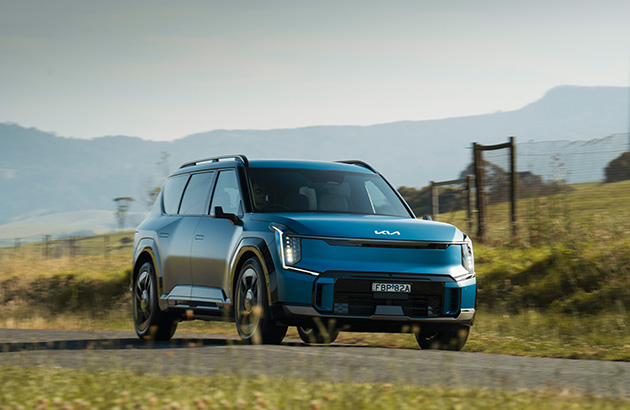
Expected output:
(347, 297)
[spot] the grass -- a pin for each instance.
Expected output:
(535, 333)
(593, 211)
(108, 247)
(79, 277)
(82, 389)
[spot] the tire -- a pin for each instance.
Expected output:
(319, 332)
(251, 308)
(149, 321)
(451, 339)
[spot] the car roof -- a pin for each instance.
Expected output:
(353, 166)
(306, 164)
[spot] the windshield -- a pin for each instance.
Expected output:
(323, 191)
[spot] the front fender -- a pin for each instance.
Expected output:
(259, 248)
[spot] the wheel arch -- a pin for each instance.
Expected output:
(255, 248)
(146, 252)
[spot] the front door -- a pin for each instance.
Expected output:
(214, 241)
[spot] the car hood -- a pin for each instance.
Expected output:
(365, 227)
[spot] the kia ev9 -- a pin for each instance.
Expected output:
(323, 246)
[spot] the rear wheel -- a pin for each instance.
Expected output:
(150, 322)
(251, 307)
(450, 339)
(318, 332)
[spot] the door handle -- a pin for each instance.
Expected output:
(163, 234)
(199, 237)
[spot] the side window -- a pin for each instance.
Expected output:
(196, 194)
(226, 193)
(172, 194)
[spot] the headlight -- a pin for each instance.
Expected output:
(289, 246)
(291, 249)
(468, 260)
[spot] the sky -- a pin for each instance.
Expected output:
(161, 70)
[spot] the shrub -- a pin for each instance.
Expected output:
(619, 168)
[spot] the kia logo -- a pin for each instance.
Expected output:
(387, 233)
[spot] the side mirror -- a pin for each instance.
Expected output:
(218, 213)
(427, 218)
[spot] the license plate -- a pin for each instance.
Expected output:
(391, 287)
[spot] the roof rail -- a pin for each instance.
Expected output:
(240, 157)
(359, 163)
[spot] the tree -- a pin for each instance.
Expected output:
(497, 181)
(150, 190)
(530, 185)
(420, 200)
(619, 168)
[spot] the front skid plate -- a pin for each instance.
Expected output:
(465, 316)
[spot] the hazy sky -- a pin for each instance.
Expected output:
(165, 69)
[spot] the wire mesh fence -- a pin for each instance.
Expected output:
(50, 247)
(573, 162)
(564, 188)
(495, 199)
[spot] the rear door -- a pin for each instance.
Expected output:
(174, 239)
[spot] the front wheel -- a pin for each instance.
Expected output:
(251, 309)
(451, 339)
(150, 322)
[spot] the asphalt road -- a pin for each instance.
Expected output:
(208, 354)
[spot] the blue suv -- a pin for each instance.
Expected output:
(323, 246)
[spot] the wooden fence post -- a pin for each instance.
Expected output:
(17, 247)
(469, 205)
(435, 201)
(46, 245)
(513, 187)
(481, 197)
(105, 245)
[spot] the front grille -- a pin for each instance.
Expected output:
(355, 297)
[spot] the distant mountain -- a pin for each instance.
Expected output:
(42, 173)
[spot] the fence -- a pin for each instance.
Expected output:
(547, 180)
(504, 178)
(457, 191)
(67, 247)
(572, 162)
